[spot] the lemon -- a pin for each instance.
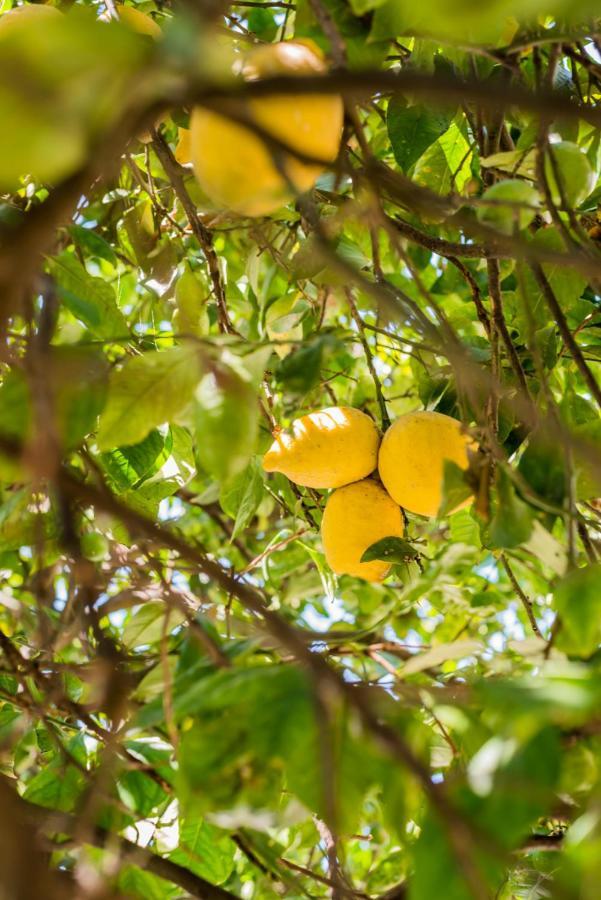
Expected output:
(355, 517)
(138, 21)
(26, 16)
(182, 150)
(412, 455)
(235, 167)
(326, 449)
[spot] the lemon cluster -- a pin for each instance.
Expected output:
(340, 448)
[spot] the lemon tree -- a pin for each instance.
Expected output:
(300, 450)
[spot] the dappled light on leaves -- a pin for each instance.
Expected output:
(300, 450)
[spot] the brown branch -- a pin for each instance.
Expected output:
(43, 819)
(384, 417)
(564, 328)
(364, 82)
(526, 601)
(475, 290)
(494, 287)
(201, 232)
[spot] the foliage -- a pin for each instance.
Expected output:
(191, 704)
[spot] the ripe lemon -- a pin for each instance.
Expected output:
(138, 21)
(412, 455)
(27, 16)
(326, 449)
(235, 167)
(355, 517)
(182, 150)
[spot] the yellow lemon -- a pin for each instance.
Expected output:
(355, 517)
(326, 449)
(412, 455)
(26, 16)
(235, 167)
(138, 21)
(182, 150)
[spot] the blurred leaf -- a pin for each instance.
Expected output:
(25, 519)
(567, 284)
(511, 524)
(226, 416)
(56, 787)
(571, 176)
(136, 882)
(205, 850)
(577, 600)
(513, 205)
(241, 497)
(47, 125)
(440, 654)
(191, 296)
(146, 625)
(543, 466)
(301, 370)
(455, 488)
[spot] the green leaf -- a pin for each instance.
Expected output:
(361, 7)
(577, 601)
(175, 472)
(391, 549)
(77, 380)
(56, 787)
(574, 178)
(226, 415)
(412, 129)
(140, 793)
(301, 370)
(455, 488)
(271, 718)
(148, 391)
(240, 498)
(146, 624)
(128, 467)
(136, 882)
(511, 524)
(191, 296)
(516, 778)
(543, 466)
(205, 850)
(566, 283)
(26, 519)
(90, 299)
(93, 243)
(47, 125)
(445, 166)
(436, 872)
